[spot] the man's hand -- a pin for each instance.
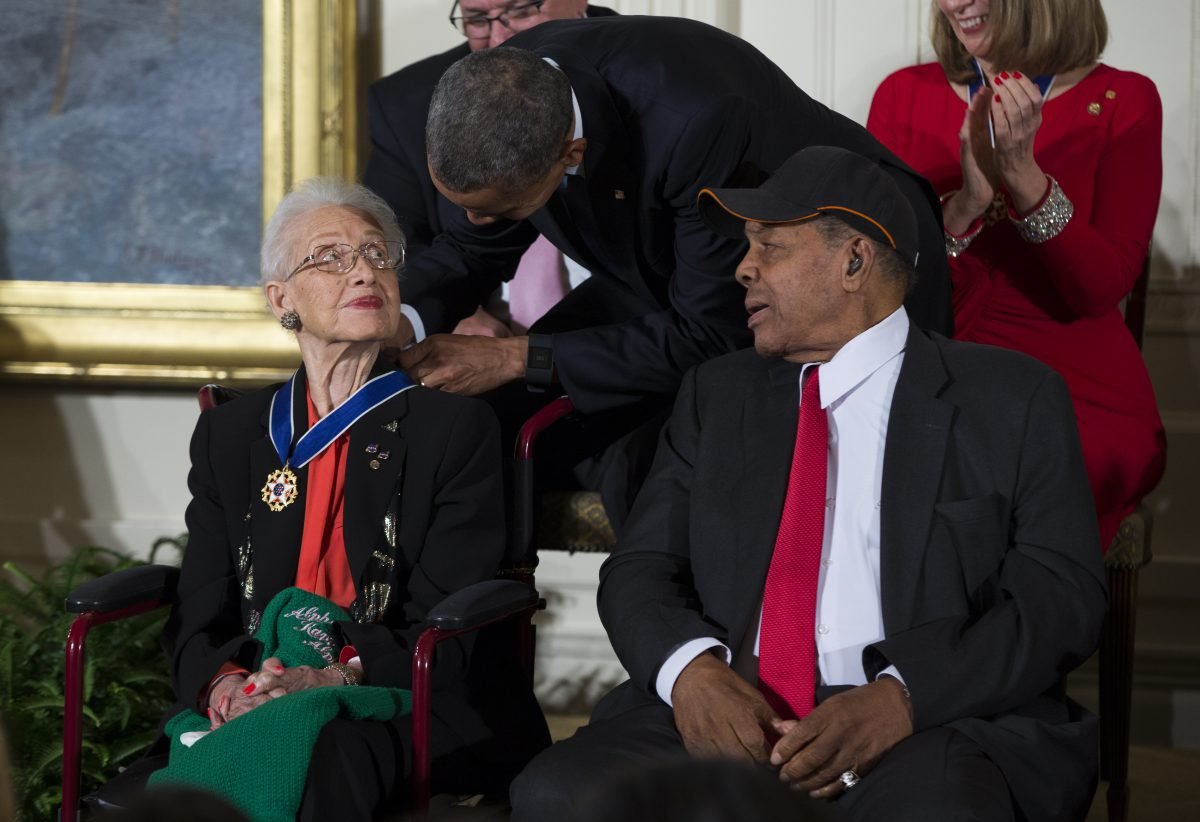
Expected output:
(720, 714)
(849, 731)
(466, 365)
(482, 324)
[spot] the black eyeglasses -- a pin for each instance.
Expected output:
(479, 26)
(340, 257)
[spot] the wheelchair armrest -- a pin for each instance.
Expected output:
(141, 585)
(482, 603)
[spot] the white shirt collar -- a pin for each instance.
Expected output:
(863, 356)
(578, 115)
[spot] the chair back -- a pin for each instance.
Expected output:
(211, 395)
(1135, 304)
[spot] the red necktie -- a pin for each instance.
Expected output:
(787, 649)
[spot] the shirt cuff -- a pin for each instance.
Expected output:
(415, 319)
(893, 673)
(349, 656)
(670, 670)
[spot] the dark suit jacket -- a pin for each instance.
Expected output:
(668, 106)
(429, 521)
(991, 585)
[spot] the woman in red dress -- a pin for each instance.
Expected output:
(1049, 164)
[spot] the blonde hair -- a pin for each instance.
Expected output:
(1033, 36)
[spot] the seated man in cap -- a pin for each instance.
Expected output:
(864, 557)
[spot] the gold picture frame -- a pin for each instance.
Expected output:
(151, 334)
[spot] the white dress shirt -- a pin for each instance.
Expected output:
(856, 392)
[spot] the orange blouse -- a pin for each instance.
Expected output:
(323, 567)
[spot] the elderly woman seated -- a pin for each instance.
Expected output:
(328, 515)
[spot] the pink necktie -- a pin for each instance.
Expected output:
(787, 660)
(537, 285)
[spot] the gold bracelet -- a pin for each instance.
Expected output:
(349, 675)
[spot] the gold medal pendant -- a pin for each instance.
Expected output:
(280, 490)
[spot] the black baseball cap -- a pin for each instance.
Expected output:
(817, 181)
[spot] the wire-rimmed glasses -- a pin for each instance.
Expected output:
(338, 258)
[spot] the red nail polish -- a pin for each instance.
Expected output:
(997, 99)
(1017, 74)
(1004, 75)
(999, 81)
(249, 689)
(278, 669)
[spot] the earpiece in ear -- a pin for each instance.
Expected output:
(855, 265)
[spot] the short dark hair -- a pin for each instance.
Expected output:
(497, 120)
(834, 232)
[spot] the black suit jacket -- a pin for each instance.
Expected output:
(429, 521)
(668, 106)
(991, 585)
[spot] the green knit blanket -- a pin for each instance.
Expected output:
(259, 761)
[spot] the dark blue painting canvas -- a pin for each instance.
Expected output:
(130, 140)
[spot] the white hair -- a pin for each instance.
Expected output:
(278, 247)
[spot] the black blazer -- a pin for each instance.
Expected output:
(992, 587)
(668, 106)
(429, 521)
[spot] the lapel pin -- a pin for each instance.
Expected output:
(384, 454)
(618, 194)
(372, 448)
(375, 465)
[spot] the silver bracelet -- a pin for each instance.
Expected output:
(957, 245)
(1047, 220)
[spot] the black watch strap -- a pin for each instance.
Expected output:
(539, 364)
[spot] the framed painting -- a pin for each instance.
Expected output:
(142, 145)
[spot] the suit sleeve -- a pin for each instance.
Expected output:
(463, 544)
(647, 599)
(1093, 264)
(204, 630)
(645, 356)
(1040, 613)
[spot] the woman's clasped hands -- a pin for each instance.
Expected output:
(235, 695)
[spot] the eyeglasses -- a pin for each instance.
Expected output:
(340, 257)
(479, 26)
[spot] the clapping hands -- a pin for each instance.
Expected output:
(1014, 109)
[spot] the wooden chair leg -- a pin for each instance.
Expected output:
(1116, 689)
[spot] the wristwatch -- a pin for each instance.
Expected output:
(539, 364)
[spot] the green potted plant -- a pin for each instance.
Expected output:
(126, 688)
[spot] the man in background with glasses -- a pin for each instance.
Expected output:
(396, 170)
